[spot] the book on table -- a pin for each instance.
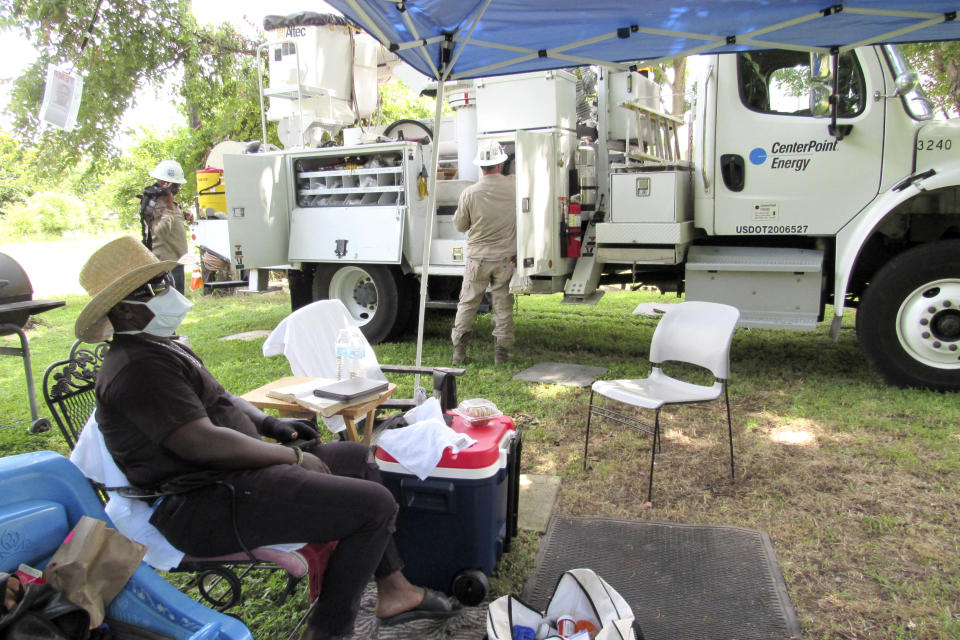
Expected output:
(351, 389)
(302, 393)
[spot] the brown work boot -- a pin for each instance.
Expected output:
(501, 355)
(459, 353)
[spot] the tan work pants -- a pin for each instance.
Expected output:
(478, 274)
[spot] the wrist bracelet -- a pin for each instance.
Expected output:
(299, 453)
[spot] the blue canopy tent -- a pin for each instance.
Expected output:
(462, 39)
(449, 40)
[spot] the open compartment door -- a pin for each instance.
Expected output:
(538, 207)
(258, 194)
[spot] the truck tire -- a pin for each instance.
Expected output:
(908, 322)
(371, 293)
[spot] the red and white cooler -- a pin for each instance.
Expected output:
(453, 526)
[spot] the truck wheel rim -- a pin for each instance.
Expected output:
(928, 324)
(355, 289)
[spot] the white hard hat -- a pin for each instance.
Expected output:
(489, 153)
(168, 171)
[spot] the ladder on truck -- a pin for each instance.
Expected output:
(656, 135)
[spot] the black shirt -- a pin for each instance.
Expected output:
(145, 391)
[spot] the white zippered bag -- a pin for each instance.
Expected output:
(580, 594)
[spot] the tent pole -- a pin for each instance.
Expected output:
(428, 230)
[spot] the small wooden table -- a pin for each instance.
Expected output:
(349, 410)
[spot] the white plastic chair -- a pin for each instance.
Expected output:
(697, 333)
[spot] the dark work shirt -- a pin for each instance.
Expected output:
(145, 392)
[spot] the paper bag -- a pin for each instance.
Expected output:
(93, 565)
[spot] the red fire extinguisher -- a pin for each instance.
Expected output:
(573, 231)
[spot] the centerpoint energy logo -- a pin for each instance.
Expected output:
(792, 155)
(758, 155)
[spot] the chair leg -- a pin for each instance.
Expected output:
(313, 606)
(291, 588)
(659, 439)
(653, 453)
(586, 441)
(729, 432)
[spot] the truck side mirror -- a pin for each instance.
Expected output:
(821, 68)
(820, 106)
(906, 82)
(821, 84)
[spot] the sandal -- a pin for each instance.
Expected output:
(434, 605)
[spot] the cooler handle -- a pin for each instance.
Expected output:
(436, 496)
(504, 446)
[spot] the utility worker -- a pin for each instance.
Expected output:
(487, 213)
(165, 232)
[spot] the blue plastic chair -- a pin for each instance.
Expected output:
(44, 495)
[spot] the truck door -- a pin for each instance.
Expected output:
(778, 171)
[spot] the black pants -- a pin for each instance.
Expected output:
(177, 273)
(287, 503)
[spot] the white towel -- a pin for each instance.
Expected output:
(419, 446)
(131, 516)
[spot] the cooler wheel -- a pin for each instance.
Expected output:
(470, 587)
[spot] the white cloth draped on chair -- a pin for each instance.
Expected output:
(307, 338)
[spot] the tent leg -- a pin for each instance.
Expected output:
(428, 231)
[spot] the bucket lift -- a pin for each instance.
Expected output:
(322, 77)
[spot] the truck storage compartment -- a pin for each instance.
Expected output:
(774, 288)
(643, 242)
(651, 196)
(538, 100)
(351, 204)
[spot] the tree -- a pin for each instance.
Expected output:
(939, 67)
(673, 75)
(19, 172)
(397, 101)
(119, 47)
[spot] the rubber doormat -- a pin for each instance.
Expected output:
(682, 581)
(565, 373)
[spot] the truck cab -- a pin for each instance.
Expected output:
(864, 201)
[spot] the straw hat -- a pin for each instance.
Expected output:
(115, 271)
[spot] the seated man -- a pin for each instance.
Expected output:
(168, 423)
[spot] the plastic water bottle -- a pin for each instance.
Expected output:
(343, 354)
(419, 396)
(357, 352)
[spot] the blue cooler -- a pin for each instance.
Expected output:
(454, 526)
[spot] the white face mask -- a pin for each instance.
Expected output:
(168, 308)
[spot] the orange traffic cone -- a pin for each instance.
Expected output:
(196, 280)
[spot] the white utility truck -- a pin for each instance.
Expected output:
(847, 197)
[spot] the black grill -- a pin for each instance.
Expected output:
(16, 307)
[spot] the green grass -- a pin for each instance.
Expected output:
(856, 482)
